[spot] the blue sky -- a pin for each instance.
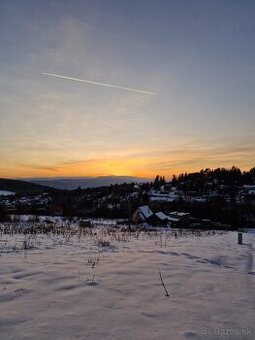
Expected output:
(196, 56)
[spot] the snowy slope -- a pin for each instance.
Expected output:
(83, 290)
(6, 193)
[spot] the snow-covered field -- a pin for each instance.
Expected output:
(105, 284)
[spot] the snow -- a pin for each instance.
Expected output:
(178, 214)
(162, 198)
(145, 211)
(173, 219)
(6, 193)
(105, 284)
(161, 216)
(33, 218)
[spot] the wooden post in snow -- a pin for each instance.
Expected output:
(240, 237)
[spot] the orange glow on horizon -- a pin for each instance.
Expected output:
(145, 167)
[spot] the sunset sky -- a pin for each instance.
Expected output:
(196, 60)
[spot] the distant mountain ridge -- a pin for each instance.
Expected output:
(22, 187)
(72, 183)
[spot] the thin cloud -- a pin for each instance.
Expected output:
(44, 168)
(100, 84)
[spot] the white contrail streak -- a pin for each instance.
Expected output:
(101, 84)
